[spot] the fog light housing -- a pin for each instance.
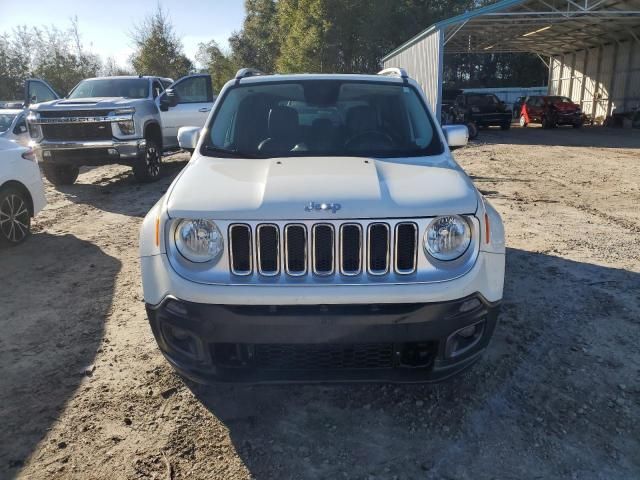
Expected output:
(464, 339)
(46, 154)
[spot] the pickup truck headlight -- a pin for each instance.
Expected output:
(199, 241)
(447, 237)
(127, 127)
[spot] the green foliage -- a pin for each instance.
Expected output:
(257, 44)
(221, 67)
(48, 53)
(158, 49)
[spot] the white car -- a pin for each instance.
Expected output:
(13, 125)
(322, 231)
(21, 192)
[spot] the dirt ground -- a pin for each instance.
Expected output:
(85, 393)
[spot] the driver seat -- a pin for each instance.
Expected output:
(283, 127)
(361, 119)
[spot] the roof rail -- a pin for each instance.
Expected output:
(394, 72)
(247, 72)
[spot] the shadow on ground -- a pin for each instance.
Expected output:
(120, 192)
(544, 402)
(599, 137)
(52, 325)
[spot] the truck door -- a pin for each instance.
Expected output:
(38, 91)
(186, 103)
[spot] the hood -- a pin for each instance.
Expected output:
(84, 103)
(354, 187)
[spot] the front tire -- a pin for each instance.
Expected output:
(148, 167)
(505, 126)
(15, 218)
(473, 130)
(60, 174)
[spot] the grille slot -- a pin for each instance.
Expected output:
(77, 131)
(323, 248)
(324, 356)
(406, 247)
(241, 249)
(295, 238)
(378, 248)
(350, 248)
(268, 247)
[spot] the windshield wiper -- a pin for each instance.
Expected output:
(224, 153)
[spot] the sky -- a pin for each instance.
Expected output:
(105, 24)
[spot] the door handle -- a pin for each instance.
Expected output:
(205, 109)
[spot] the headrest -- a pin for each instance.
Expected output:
(283, 122)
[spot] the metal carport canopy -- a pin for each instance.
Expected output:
(545, 27)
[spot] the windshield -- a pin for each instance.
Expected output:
(112, 87)
(320, 118)
(482, 100)
(6, 119)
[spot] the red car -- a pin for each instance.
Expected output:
(550, 111)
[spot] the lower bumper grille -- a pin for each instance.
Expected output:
(311, 357)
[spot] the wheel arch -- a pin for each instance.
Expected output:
(152, 130)
(23, 189)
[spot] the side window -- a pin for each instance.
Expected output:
(39, 92)
(157, 89)
(194, 90)
(21, 125)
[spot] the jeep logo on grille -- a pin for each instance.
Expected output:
(321, 207)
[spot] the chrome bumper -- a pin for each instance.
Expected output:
(127, 149)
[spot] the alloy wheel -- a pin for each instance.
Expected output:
(14, 218)
(152, 160)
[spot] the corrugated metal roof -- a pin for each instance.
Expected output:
(546, 27)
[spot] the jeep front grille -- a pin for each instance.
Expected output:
(323, 249)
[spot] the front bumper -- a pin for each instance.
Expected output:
(90, 153)
(405, 342)
(491, 119)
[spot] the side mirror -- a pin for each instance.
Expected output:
(456, 135)
(188, 137)
(168, 99)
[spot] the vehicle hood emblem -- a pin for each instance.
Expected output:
(322, 207)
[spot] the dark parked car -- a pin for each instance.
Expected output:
(550, 111)
(483, 110)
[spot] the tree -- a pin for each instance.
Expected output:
(257, 44)
(55, 55)
(158, 49)
(220, 66)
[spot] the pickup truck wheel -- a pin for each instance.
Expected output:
(147, 167)
(473, 130)
(15, 219)
(505, 126)
(60, 174)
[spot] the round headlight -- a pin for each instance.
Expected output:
(447, 238)
(199, 241)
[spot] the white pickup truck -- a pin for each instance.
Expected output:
(129, 120)
(322, 231)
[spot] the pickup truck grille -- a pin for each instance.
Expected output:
(323, 249)
(77, 131)
(73, 113)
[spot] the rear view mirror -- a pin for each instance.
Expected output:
(456, 135)
(188, 137)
